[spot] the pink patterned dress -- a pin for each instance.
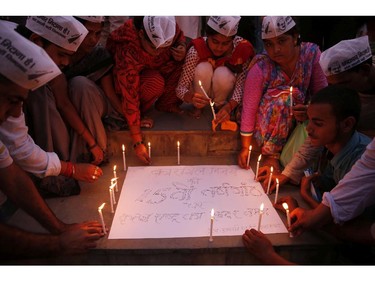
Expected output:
(266, 100)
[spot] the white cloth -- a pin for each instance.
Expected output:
(190, 25)
(25, 153)
(356, 191)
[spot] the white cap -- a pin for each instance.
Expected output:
(345, 55)
(275, 26)
(66, 32)
(22, 61)
(226, 26)
(160, 30)
(95, 19)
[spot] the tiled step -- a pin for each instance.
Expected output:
(195, 136)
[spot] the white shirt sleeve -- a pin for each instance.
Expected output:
(356, 191)
(29, 156)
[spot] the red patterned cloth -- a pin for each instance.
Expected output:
(131, 62)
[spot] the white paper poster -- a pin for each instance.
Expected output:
(176, 201)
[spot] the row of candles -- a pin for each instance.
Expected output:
(285, 205)
(261, 209)
(149, 154)
(112, 197)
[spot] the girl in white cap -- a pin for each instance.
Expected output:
(149, 53)
(287, 65)
(217, 65)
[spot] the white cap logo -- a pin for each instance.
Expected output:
(22, 61)
(66, 32)
(345, 55)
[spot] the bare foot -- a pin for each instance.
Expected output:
(147, 122)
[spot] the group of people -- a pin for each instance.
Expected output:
(58, 84)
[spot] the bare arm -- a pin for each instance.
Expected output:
(19, 188)
(17, 243)
(69, 113)
(107, 85)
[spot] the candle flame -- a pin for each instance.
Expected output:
(250, 148)
(260, 157)
(200, 83)
(123, 147)
(114, 168)
(101, 207)
(178, 143)
(212, 213)
(277, 181)
(291, 89)
(285, 206)
(261, 207)
(271, 169)
(149, 144)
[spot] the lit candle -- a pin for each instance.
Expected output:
(277, 189)
(113, 184)
(111, 197)
(257, 170)
(291, 99)
(248, 156)
(260, 215)
(178, 153)
(212, 224)
(101, 217)
(123, 157)
(204, 92)
(211, 102)
(285, 206)
(115, 176)
(269, 181)
(149, 149)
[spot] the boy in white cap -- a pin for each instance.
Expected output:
(148, 53)
(351, 67)
(279, 83)
(23, 67)
(216, 65)
(347, 63)
(49, 109)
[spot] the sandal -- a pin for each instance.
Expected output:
(147, 122)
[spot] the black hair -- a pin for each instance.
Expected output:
(83, 21)
(25, 32)
(4, 80)
(345, 102)
(138, 24)
(294, 32)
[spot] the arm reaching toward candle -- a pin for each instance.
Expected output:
(77, 239)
